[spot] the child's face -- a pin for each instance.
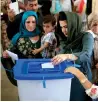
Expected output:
(30, 23)
(48, 27)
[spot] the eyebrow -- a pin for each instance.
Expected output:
(64, 25)
(32, 21)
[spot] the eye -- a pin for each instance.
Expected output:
(31, 5)
(33, 21)
(95, 25)
(35, 5)
(28, 22)
(63, 26)
(47, 26)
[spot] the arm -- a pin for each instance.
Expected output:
(21, 5)
(88, 43)
(86, 52)
(46, 44)
(11, 48)
(91, 89)
(82, 78)
(13, 27)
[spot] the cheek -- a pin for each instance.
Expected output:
(26, 26)
(95, 29)
(64, 30)
(34, 26)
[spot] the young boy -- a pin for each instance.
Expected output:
(48, 40)
(91, 89)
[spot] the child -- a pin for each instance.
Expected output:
(91, 89)
(48, 40)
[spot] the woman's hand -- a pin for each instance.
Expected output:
(61, 57)
(5, 54)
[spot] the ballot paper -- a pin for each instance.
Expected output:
(47, 65)
(12, 55)
(15, 7)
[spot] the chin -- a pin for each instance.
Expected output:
(31, 30)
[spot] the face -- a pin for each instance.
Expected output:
(32, 5)
(48, 27)
(63, 25)
(95, 28)
(30, 23)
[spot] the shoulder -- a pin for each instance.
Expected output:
(88, 35)
(19, 16)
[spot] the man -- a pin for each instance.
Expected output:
(14, 20)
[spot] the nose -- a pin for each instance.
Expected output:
(31, 24)
(34, 8)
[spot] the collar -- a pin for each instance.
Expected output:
(92, 33)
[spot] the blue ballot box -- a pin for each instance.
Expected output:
(39, 80)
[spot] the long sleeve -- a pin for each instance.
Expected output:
(87, 49)
(13, 27)
(12, 47)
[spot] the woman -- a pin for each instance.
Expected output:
(28, 38)
(74, 45)
(23, 42)
(93, 29)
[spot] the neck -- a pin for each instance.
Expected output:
(35, 38)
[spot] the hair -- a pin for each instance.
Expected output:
(49, 19)
(92, 19)
(62, 16)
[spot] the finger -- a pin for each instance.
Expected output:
(54, 58)
(56, 61)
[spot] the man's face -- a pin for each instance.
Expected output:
(32, 5)
(63, 25)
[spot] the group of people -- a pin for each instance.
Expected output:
(33, 36)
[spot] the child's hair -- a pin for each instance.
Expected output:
(49, 19)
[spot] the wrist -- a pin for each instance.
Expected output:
(71, 57)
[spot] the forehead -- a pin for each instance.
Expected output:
(63, 23)
(32, 2)
(31, 18)
(47, 24)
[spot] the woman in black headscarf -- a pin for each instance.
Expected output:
(74, 45)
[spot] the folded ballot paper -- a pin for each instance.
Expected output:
(12, 55)
(15, 7)
(47, 65)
